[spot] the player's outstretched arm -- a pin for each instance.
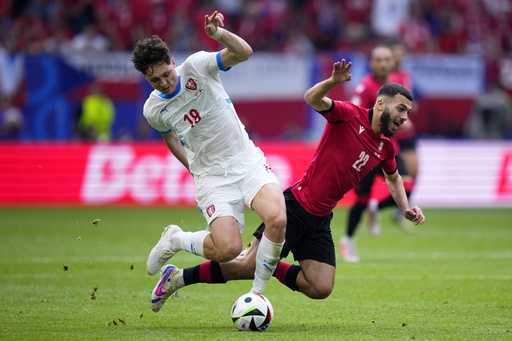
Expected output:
(315, 96)
(397, 190)
(237, 50)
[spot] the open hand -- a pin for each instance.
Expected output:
(212, 22)
(341, 71)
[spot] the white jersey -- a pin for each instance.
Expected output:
(201, 114)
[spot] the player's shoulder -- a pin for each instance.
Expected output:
(347, 110)
(199, 64)
(152, 103)
(199, 57)
(347, 105)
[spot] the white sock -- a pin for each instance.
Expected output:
(267, 257)
(181, 281)
(191, 241)
(348, 240)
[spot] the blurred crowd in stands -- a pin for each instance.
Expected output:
(296, 26)
(301, 27)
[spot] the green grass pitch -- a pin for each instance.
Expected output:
(64, 278)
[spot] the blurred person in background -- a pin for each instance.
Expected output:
(191, 109)
(97, 115)
(405, 147)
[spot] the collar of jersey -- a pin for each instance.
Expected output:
(177, 91)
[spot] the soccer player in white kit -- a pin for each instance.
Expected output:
(198, 122)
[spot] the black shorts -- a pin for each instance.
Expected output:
(307, 236)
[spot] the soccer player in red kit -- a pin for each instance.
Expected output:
(355, 141)
(365, 95)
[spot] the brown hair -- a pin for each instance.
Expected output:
(149, 52)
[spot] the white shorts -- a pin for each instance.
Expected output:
(227, 195)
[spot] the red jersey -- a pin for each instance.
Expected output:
(365, 93)
(348, 150)
(402, 77)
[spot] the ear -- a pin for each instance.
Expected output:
(173, 63)
(381, 104)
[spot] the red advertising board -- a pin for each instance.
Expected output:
(116, 174)
(451, 173)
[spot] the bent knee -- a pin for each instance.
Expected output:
(320, 292)
(280, 221)
(277, 220)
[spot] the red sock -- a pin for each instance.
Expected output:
(207, 272)
(287, 274)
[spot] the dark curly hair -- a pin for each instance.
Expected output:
(149, 52)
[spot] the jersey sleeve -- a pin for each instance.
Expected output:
(207, 62)
(340, 111)
(389, 165)
(148, 113)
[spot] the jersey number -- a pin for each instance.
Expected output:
(363, 159)
(193, 118)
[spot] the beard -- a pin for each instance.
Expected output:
(385, 124)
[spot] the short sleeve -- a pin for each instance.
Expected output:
(206, 62)
(341, 111)
(389, 165)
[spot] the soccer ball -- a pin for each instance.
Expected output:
(252, 312)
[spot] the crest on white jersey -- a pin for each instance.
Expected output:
(191, 84)
(210, 210)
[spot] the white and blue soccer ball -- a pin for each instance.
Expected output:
(252, 312)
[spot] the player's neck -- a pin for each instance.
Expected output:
(374, 117)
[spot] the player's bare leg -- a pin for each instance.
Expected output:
(224, 242)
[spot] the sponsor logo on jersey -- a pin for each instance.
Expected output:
(210, 210)
(268, 168)
(361, 129)
(380, 146)
(191, 85)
